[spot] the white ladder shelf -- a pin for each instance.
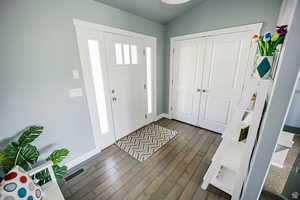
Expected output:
(230, 163)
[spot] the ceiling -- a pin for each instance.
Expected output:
(153, 10)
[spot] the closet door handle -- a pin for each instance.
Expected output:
(114, 98)
(202, 90)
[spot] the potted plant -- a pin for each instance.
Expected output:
(268, 44)
(25, 155)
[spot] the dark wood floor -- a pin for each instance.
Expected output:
(174, 172)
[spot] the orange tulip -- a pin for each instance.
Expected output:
(255, 37)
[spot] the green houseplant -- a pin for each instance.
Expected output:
(24, 154)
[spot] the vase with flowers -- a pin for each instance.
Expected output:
(268, 45)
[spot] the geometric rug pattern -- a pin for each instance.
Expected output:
(142, 143)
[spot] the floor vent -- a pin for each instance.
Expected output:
(73, 175)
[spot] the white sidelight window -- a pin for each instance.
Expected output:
(149, 78)
(95, 60)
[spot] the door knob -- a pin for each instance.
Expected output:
(112, 91)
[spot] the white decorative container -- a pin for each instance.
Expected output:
(263, 69)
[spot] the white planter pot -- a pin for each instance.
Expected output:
(258, 62)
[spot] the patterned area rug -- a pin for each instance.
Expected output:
(144, 142)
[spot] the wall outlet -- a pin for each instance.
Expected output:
(77, 92)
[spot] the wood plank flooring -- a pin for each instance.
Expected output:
(174, 172)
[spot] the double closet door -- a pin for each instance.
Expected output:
(208, 77)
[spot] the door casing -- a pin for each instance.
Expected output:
(81, 26)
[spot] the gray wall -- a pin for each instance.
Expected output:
(38, 51)
(217, 14)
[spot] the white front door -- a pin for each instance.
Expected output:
(225, 69)
(187, 70)
(127, 74)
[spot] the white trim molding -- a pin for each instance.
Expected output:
(162, 115)
(244, 28)
(83, 158)
(89, 25)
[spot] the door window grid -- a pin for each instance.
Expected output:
(134, 56)
(126, 51)
(95, 60)
(126, 54)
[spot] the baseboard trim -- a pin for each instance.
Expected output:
(83, 158)
(162, 115)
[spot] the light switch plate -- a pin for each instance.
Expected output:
(75, 73)
(77, 92)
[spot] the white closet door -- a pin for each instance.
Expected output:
(187, 68)
(127, 72)
(226, 64)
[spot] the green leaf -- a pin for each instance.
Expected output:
(30, 134)
(4, 160)
(11, 151)
(29, 153)
(5, 163)
(60, 172)
(24, 156)
(58, 155)
(43, 177)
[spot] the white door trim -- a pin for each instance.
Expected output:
(244, 28)
(255, 28)
(84, 25)
(89, 25)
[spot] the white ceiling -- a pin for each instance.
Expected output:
(153, 10)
